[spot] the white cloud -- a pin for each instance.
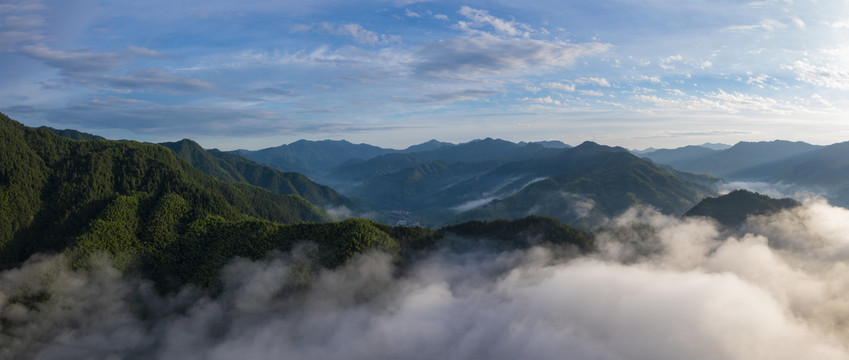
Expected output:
(798, 22)
(759, 81)
(651, 79)
(657, 100)
(735, 102)
(482, 17)
(731, 103)
(545, 100)
(666, 63)
(669, 62)
(591, 92)
(593, 80)
(412, 14)
(828, 76)
(442, 17)
(767, 25)
(558, 86)
(840, 24)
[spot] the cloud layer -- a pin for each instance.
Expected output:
(660, 287)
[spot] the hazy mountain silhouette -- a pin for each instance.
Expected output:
(735, 160)
(589, 182)
(313, 158)
(575, 185)
(679, 157)
(430, 145)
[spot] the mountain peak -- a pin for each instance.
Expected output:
(430, 145)
(591, 146)
(733, 208)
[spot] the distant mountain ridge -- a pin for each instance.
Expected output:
(734, 160)
(796, 166)
(313, 158)
(578, 185)
(317, 159)
(589, 182)
(234, 168)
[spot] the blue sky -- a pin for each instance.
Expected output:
(254, 74)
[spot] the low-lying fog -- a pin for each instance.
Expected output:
(659, 288)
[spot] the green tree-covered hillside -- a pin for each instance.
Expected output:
(56, 192)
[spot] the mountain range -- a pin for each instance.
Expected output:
(493, 178)
(792, 166)
(317, 159)
(165, 229)
(177, 213)
(180, 211)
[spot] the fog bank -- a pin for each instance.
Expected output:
(659, 288)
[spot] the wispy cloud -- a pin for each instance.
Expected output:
(558, 86)
(144, 79)
(651, 79)
(412, 14)
(23, 21)
(593, 81)
(74, 60)
(10, 39)
(482, 17)
(541, 100)
(21, 6)
(827, 76)
(667, 62)
(351, 30)
(490, 55)
(463, 95)
(767, 25)
(732, 103)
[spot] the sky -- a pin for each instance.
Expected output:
(256, 74)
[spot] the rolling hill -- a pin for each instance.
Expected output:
(733, 208)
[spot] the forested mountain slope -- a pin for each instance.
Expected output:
(235, 168)
(56, 192)
(733, 208)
